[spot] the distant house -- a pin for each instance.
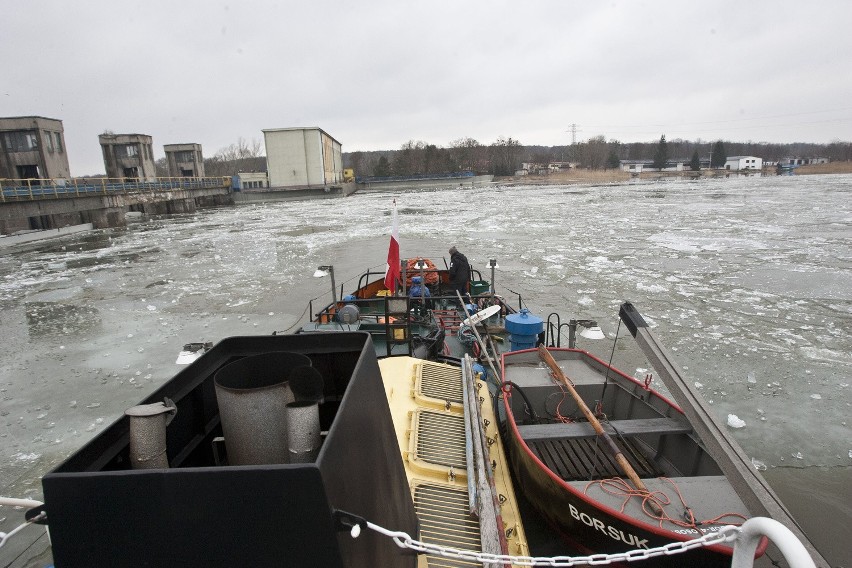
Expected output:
(538, 169)
(559, 166)
(634, 166)
(639, 166)
(532, 168)
(738, 163)
(250, 180)
(800, 161)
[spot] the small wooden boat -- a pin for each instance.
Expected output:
(570, 471)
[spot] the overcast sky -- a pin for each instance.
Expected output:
(377, 73)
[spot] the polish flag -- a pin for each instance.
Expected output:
(392, 270)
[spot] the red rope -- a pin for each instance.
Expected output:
(564, 391)
(619, 487)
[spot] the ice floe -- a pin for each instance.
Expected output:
(735, 421)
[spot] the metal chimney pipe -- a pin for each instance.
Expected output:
(148, 434)
(303, 431)
(252, 394)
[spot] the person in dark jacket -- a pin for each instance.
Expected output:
(459, 272)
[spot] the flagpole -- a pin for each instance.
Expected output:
(392, 269)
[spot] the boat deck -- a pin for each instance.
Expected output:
(578, 459)
(426, 404)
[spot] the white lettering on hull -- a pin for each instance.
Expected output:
(608, 530)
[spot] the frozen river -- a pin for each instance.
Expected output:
(748, 281)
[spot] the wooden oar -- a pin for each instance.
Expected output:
(625, 466)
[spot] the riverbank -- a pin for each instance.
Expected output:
(583, 176)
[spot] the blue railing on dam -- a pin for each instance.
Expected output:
(33, 189)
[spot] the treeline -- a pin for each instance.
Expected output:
(417, 157)
(506, 155)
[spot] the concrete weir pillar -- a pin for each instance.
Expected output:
(182, 206)
(108, 218)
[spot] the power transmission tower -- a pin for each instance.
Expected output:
(573, 132)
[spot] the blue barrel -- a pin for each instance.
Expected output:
(523, 328)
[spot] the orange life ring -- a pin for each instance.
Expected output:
(430, 273)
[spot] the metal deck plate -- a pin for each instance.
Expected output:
(439, 385)
(445, 521)
(439, 440)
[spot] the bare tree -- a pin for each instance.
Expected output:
(593, 153)
(242, 156)
(466, 154)
(505, 156)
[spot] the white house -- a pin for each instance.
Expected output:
(302, 157)
(736, 163)
(633, 166)
(250, 180)
(638, 166)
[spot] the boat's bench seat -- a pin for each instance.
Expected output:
(634, 427)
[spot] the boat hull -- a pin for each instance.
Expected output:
(592, 529)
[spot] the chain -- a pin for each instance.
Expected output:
(403, 540)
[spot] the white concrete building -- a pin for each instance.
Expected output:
(737, 163)
(302, 157)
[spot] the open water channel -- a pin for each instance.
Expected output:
(748, 281)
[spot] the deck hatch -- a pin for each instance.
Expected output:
(445, 521)
(440, 439)
(438, 383)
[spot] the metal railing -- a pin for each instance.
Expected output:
(36, 189)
